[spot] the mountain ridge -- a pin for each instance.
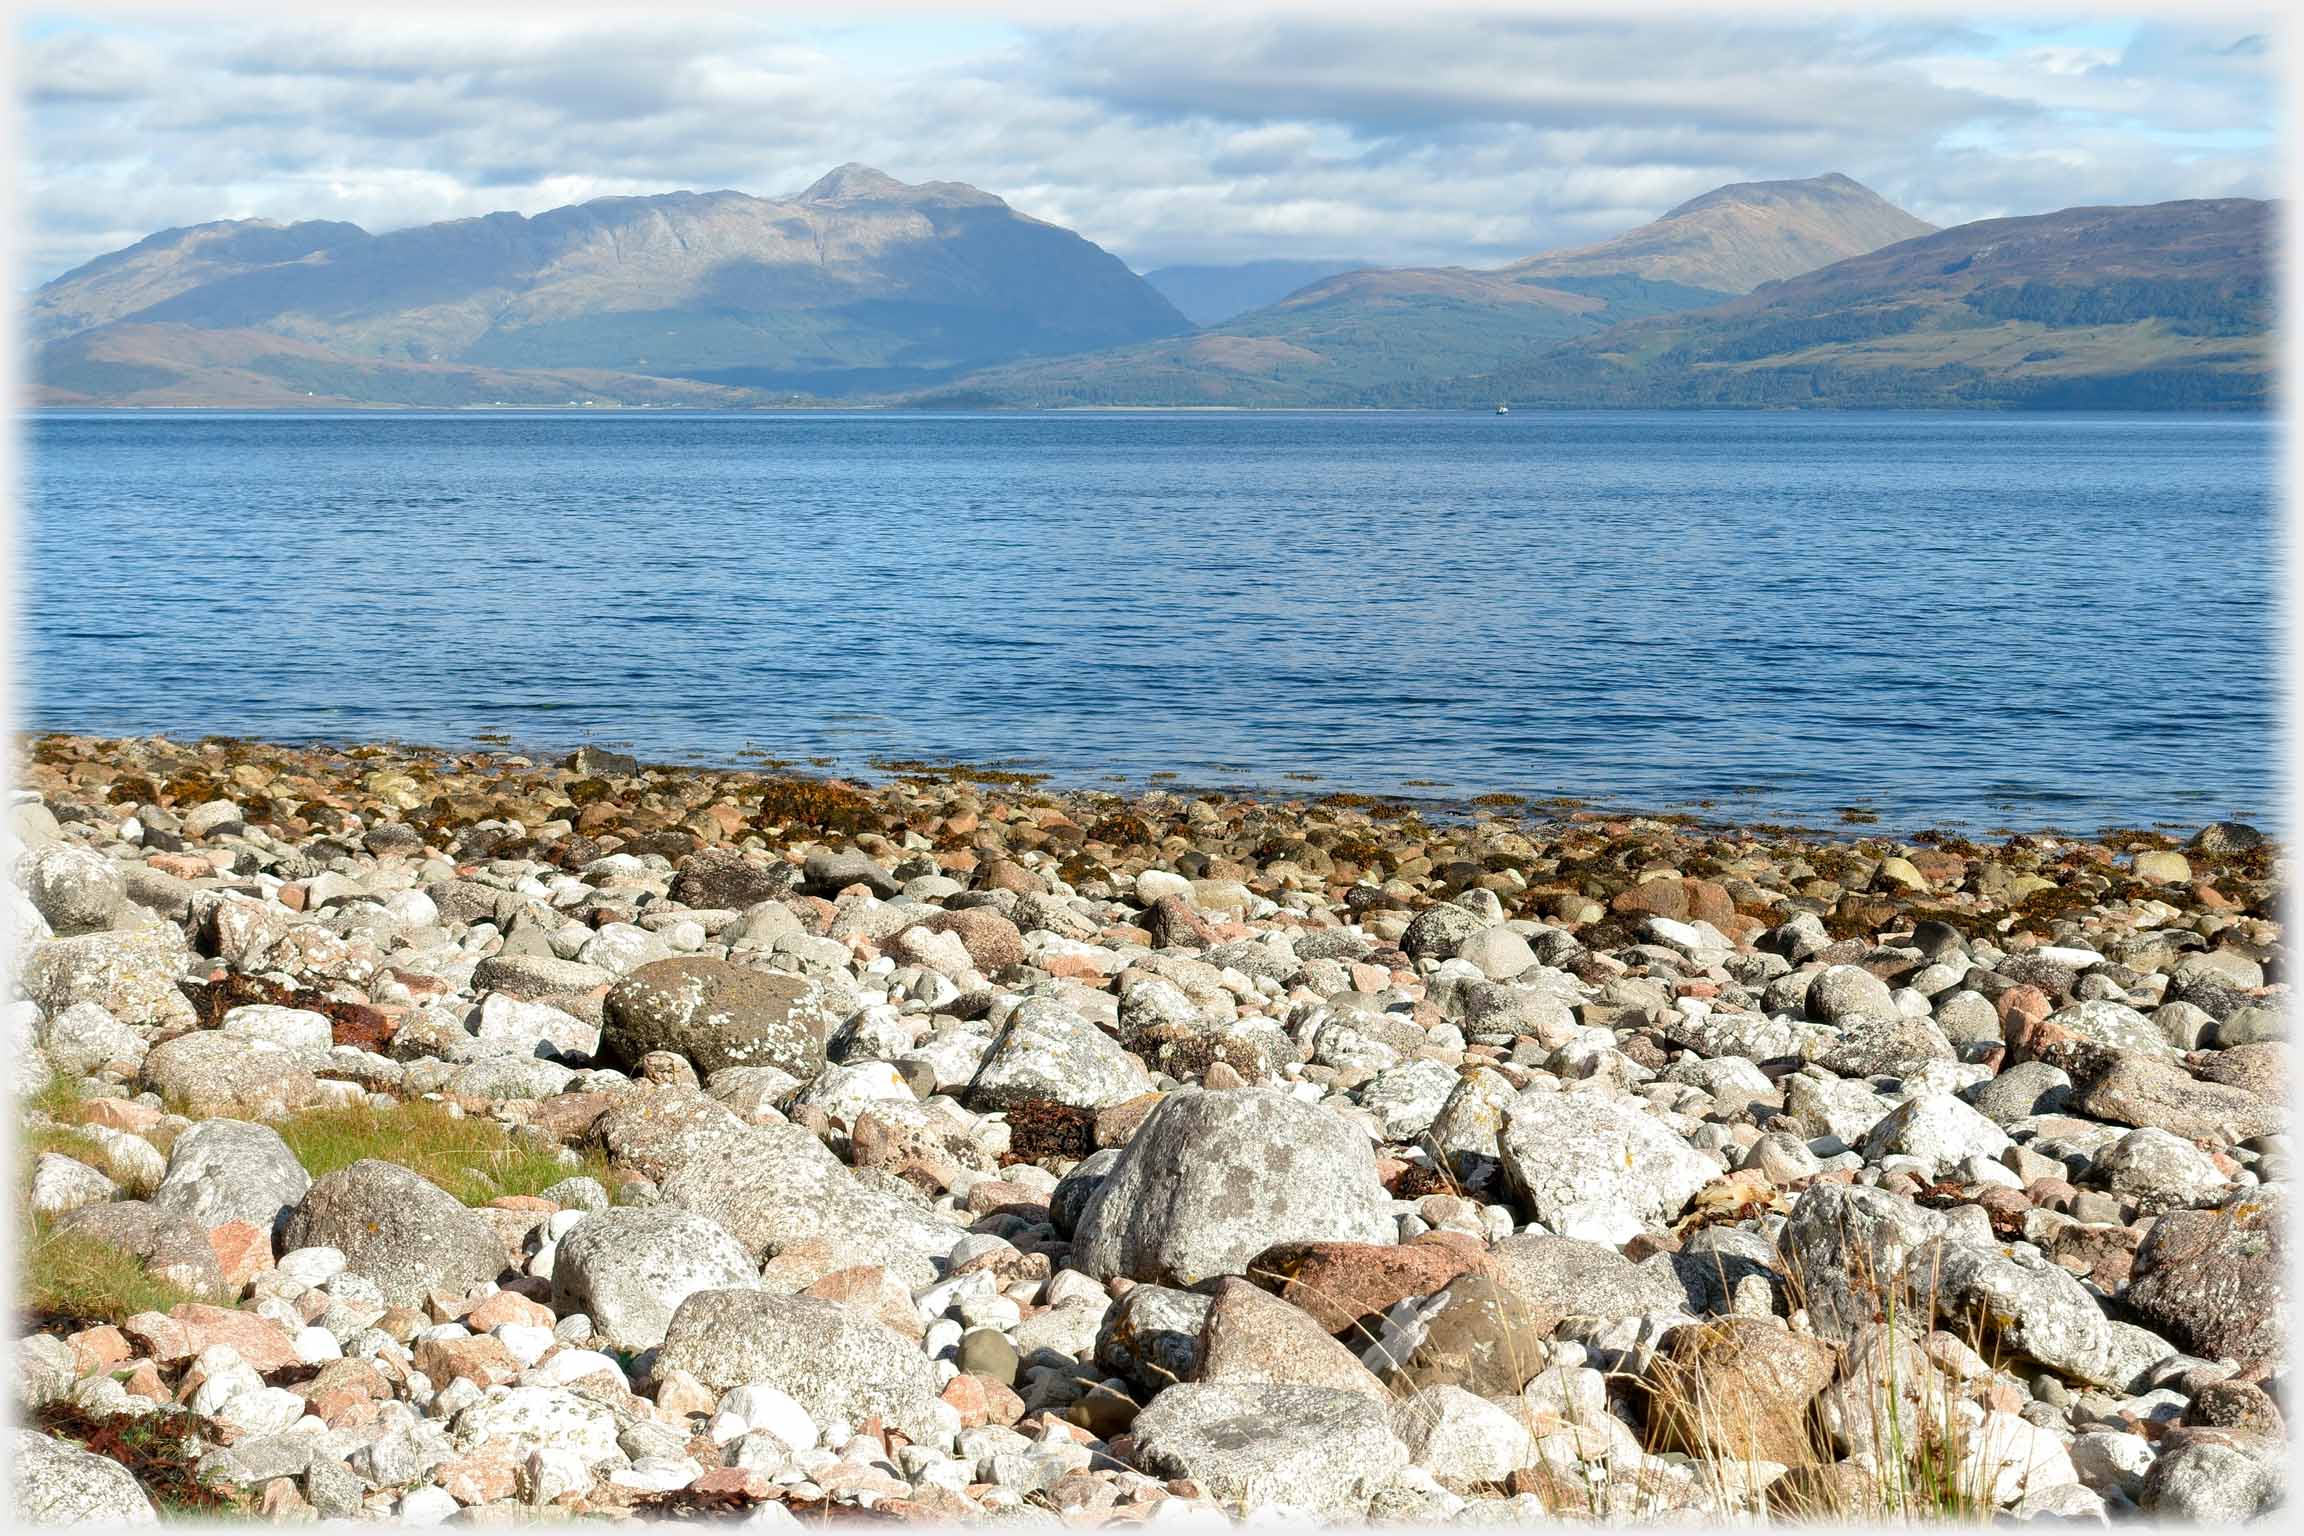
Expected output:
(857, 277)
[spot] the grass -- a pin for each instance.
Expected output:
(162, 1450)
(473, 1159)
(89, 1281)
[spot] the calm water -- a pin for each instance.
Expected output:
(1956, 620)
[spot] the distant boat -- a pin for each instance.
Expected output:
(1502, 409)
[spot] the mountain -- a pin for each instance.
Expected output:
(1399, 336)
(860, 282)
(2167, 305)
(1213, 295)
(1734, 238)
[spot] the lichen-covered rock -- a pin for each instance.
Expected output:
(398, 1229)
(2029, 1307)
(1312, 1448)
(629, 1269)
(2147, 1091)
(1848, 1246)
(719, 1015)
(2214, 1282)
(84, 1038)
(76, 890)
(1462, 1438)
(52, 1483)
(130, 974)
(1045, 1052)
(1938, 1131)
(1598, 1168)
(773, 1187)
(2216, 1478)
(210, 1075)
(1212, 1179)
(837, 1362)
(232, 1170)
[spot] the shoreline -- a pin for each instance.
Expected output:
(594, 1138)
(1287, 792)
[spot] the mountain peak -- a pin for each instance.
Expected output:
(1831, 187)
(852, 182)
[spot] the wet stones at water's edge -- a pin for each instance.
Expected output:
(957, 1149)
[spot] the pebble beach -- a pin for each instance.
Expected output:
(457, 1136)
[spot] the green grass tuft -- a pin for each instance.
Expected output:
(473, 1159)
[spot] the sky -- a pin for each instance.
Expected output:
(1455, 138)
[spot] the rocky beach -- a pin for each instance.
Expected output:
(456, 1136)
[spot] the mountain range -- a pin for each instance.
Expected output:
(857, 283)
(866, 290)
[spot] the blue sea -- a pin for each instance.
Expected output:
(1965, 621)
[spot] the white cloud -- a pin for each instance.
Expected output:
(1454, 139)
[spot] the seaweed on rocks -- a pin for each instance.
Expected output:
(160, 1449)
(1039, 1129)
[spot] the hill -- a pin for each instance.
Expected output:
(1213, 295)
(858, 283)
(1399, 336)
(2167, 305)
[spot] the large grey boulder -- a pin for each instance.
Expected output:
(720, 1015)
(628, 1269)
(837, 1362)
(1212, 1179)
(52, 1483)
(232, 1170)
(1596, 1167)
(130, 974)
(76, 889)
(398, 1229)
(2029, 1307)
(1046, 1051)
(1841, 993)
(84, 1038)
(1246, 1445)
(210, 1075)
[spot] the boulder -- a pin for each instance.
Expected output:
(719, 1015)
(398, 1229)
(210, 1075)
(628, 1269)
(1047, 1052)
(1738, 1389)
(232, 1170)
(130, 974)
(52, 1483)
(1253, 1336)
(2214, 1282)
(1212, 1179)
(1598, 1168)
(837, 1362)
(1311, 1448)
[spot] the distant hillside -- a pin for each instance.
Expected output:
(2161, 306)
(1213, 295)
(182, 365)
(1735, 238)
(858, 283)
(1400, 336)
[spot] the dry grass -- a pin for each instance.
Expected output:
(473, 1159)
(86, 1280)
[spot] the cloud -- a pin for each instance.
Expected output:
(1460, 139)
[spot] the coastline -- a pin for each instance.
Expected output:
(553, 1126)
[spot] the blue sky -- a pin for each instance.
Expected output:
(1463, 138)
